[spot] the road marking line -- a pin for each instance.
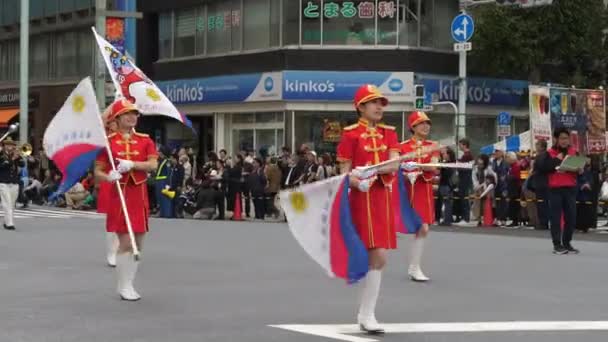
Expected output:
(345, 332)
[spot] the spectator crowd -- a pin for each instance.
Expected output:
(186, 185)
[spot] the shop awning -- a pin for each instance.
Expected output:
(6, 115)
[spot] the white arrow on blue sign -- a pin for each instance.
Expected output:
(463, 27)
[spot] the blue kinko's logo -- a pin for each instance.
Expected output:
(395, 84)
(268, 83)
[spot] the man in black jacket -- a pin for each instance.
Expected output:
(10, 162)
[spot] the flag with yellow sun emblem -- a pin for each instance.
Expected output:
(319, 217)
(132, 84)
(75, 135)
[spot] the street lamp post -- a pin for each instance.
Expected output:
(100, 70)
(24, 72)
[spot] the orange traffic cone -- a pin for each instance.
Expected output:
(236, 216)
(488, 214)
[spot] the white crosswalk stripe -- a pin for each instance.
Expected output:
(54, 213)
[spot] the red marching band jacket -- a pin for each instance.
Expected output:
(363, 145)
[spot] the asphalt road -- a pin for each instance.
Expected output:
(225, 281)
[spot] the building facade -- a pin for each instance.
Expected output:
(261, 74)
(61, 53)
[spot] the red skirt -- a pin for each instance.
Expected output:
(422, 200)
(136, 197)
(103, 197)
(373, 216)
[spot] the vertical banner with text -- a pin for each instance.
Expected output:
(540, 120)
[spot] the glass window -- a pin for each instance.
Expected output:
(50, 7)
(291, 22)
(39, 57)
(83, 4)
(408, 25)
(165, 34)
(242, 140)
(201, 29)
(266, 142)
(36, 8)
(66, 55)
(85, 53)
(66, 5)
(387, 22)
(311, 22)
(443, 15)
(265, 117)
(13, 60)
(349, 22)
(3, 61)
(261, 23)
(243, 118)
(184, 32)
(224, 26)
(9, 15)
(321, 131)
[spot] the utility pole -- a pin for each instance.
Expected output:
(100, 70)
(24, 72)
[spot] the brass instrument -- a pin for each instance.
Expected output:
(26, 150)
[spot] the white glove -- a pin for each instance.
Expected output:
(364, 185)
(114, 176)
(362, 173)
(409, 166)
(124, 166)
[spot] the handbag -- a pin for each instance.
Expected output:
(604, 191)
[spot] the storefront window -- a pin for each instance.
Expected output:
(349, 22)
(85, 53)
(444, 12)
(242, 140)
(387, 22)
(66, 55)
(39, 50)
(262, 133)
(311, 22)
(165, 34)
(185, 26)
(200, 29)
(291, 22)
(261, 23)
(224, 20)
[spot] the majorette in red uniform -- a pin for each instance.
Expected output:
(136, 155)
(420, 185)
(369, 142)
(104, 200)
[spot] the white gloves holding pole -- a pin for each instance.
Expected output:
(124, 166)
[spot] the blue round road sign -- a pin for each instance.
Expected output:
(463, 27)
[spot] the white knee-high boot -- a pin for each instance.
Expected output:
(111, 248)
(126, 269)
(368, 299)
(415, 272)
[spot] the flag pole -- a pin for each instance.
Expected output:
(123, 203)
